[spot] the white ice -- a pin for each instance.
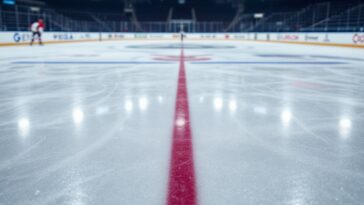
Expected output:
(91, 123)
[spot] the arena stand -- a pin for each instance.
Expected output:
(317, 17)
(304, 23)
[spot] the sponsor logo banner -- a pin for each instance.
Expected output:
(154, 36)
(63, 37)
(22, 37)
(115, 36)
(208, 36)
(358, 38)
(309, 37)
(141, 36)
(327, 38)
(240, 36)
(86, 36)
(288, 37)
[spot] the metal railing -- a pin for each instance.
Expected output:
(351, 20)
(20, 19)
(322, 17)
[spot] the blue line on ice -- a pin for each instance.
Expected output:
(170, 62)
(91, 62)
(274, 63)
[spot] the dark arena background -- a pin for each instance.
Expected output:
(181, 102)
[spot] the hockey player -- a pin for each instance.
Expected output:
(37, 29)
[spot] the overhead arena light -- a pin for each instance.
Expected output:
(34, 9)
(259, 15)
(9, 2)
(181, 1)
(128, 10)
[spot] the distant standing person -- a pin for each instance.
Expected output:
(182, 34)
(37, 29)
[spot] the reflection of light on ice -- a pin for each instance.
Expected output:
(286, 117)
(143, 103)
(180, 122)
(218, 103)
(78, 115)
(23, 126)
(128, 106)
(233, 106)
(160, 99)
(345, 125)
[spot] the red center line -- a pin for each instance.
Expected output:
(182, 185)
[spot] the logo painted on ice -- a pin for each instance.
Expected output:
(178, 58)
(358, 38)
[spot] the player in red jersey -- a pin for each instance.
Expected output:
(37, 29)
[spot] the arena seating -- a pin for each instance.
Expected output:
(324, 16)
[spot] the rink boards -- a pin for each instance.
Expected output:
(335, 39)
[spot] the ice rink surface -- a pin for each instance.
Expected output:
(92, 123)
